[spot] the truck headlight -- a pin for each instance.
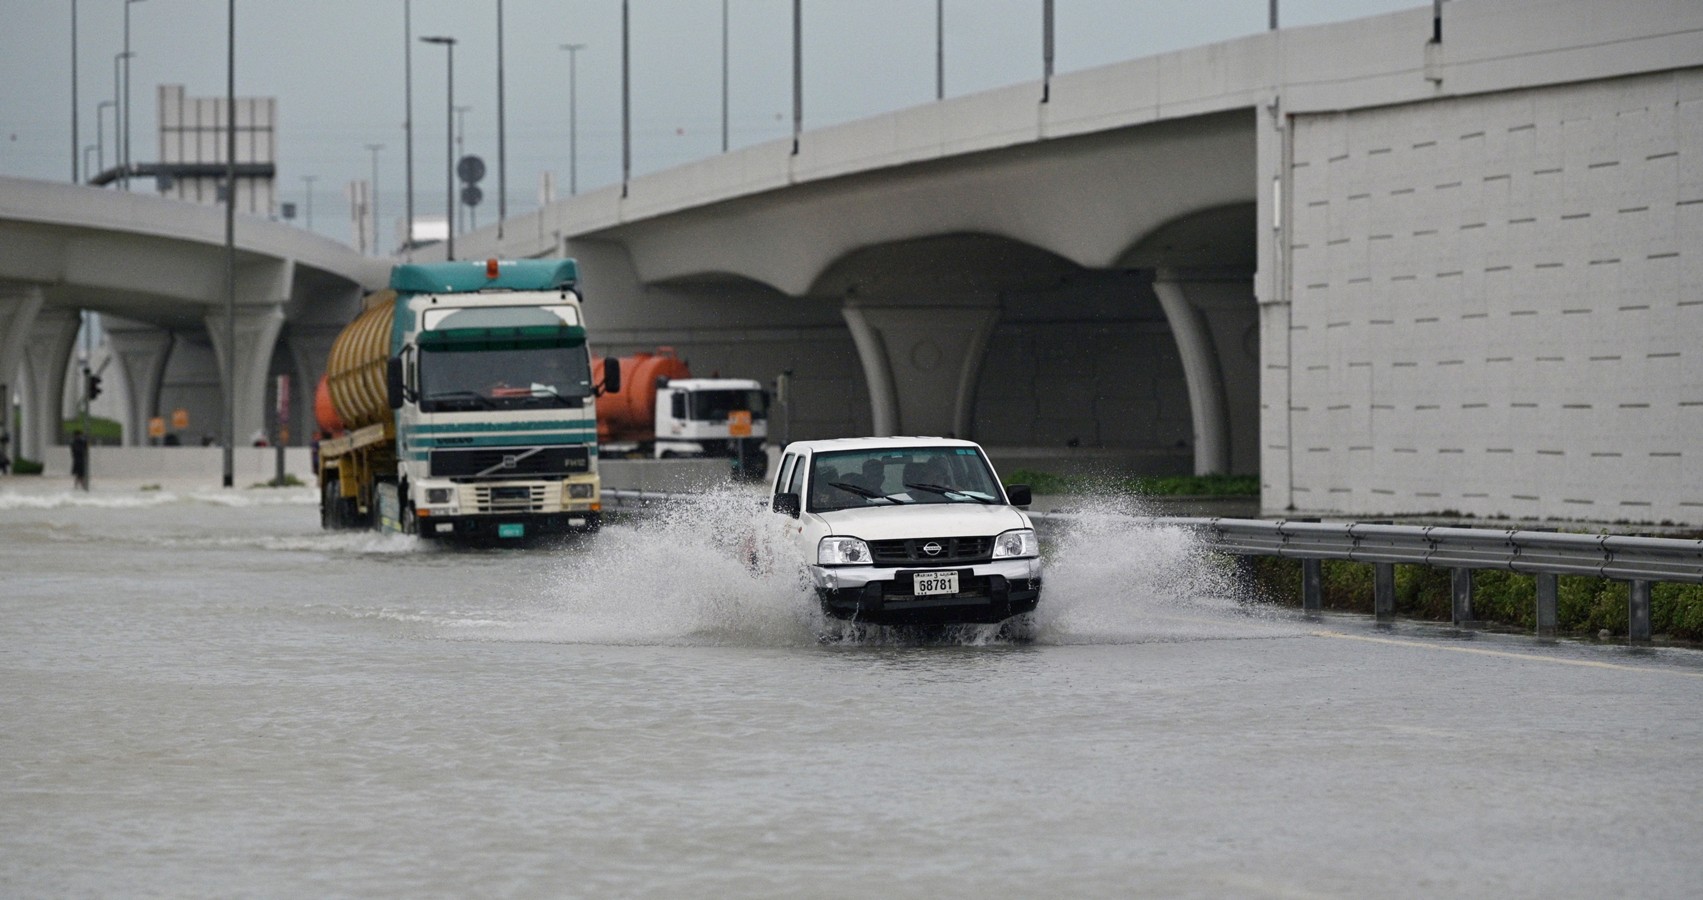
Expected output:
(1017, 543)
(842, 551)
(437, 496)
(579, 490)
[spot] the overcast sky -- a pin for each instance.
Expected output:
(336, 67)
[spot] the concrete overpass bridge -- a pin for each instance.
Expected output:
(155, 270)
(1388, 274)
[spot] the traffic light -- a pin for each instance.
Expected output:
(94, 386)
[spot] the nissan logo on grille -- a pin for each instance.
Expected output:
(932, 548)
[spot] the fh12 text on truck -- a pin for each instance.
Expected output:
(460, 405)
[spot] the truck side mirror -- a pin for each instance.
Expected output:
(611, 375)
(787, 503)
(393, 381)
(1019, 494)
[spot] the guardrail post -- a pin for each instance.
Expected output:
(1547, 594)
(1312, 588)
(1638, 612)
(1384, 592)
(1460, 593)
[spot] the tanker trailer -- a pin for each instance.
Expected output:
(665, 412)
(460, 405)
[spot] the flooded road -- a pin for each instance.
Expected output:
(203, 695)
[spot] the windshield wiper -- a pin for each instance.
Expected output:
(942, 490)
(861, 491)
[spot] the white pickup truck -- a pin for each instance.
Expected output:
(908, 531)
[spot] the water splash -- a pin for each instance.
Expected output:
(1114, 577)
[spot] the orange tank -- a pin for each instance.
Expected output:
(630, 413)
(324, 411)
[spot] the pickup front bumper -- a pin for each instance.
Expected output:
(987, 593)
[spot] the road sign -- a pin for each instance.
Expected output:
(471, 195)
(180, 419)
(470, 169)
(739, 423)
(157, 427)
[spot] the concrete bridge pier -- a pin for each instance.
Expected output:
(18, 311)
(142, 351)
(921, 361)
(257, 330)
(52, 338)
(1214, 320)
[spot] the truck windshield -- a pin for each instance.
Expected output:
(853, 478)
(713, 405)
(504, 379)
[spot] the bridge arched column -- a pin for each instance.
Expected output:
(18, 311)
(921, 362)
(52, 337)
(143, 351)
(1211, 314)
(257, 330)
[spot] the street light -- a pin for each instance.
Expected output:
(126, 57)
(310, 179)
(408, 122)
(502, 170)
(448, 43)
(374, 149)
(100, 133)
(573, 120)
(74, 178)
(461, 215)
(117, 120)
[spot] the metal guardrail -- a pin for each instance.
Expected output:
(1639, 561)
(1546, 555)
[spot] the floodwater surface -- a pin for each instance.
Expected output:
(204, 695)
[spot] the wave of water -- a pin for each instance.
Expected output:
(687, 576)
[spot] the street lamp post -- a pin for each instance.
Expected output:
(797, 73)
(408, 123)
(724, 76)
(100, 133)
(461, 217)
(74, 178)
(373, 200)
(230, 241)
(448, 43)
(127, 54)
(940, 49)
(310, 180)
(573, 120)
(117, 110)
(626, 102)
(502, 170)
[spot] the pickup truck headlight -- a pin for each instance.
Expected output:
(842, 551)
(1017, 543)
(438, 496)
(579, 490)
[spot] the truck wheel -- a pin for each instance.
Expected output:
(330, 506)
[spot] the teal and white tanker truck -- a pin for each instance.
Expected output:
(460, 405)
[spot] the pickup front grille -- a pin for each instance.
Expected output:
(913, 551)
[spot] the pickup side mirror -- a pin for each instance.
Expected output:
(393, 381)
(787, 503)
(1019, 494)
